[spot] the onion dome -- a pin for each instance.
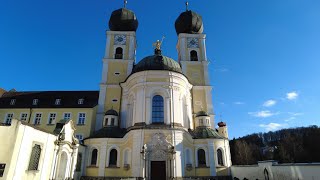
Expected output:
(222, 124)
(157, 62)
(123, 20)
(189, 22)
(112, 112)
(201, 113)
(205, 133)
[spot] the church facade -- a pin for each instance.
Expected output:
(151, 119)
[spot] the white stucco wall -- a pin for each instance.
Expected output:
(16, 149)
(297, 171)
(17, 162)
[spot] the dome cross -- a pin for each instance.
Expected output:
(187, 5)
(125, 2)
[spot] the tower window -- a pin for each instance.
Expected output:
(220, 159)
(119, 53)
(201, 158)
(112, 121)
(113, 158)
(94, 157)
(193, 55)
(157, 110)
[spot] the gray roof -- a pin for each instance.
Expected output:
(46, 99)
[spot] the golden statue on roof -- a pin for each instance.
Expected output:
(158, 44)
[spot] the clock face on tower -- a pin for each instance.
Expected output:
(193, 43)
(120, 39)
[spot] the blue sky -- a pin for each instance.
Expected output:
(264, 55)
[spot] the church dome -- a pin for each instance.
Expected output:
(201, 113)
(123, 20)
(222, 124)
(189, 22)
(157, 62)
(111, 112)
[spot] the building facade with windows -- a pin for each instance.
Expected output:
(151, 119)
(28, 152)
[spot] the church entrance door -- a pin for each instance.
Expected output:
(158, 170)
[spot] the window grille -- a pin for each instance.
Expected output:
(35, 157)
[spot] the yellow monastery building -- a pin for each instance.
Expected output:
(151, 119)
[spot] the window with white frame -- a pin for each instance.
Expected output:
(37, 118)
(80, 101)
(79, 137)
(23, 116)
(66, 116)
(52, 118)
(35, 101)
(9, 117)
(12, 102)
(58, 102)
(82, 118)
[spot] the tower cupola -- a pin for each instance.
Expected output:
(111, 118)
(189, 22)
(123, 20)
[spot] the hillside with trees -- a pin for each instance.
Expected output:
(296, 145)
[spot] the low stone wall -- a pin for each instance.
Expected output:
(271, 170)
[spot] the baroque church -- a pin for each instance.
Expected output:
(151, 119)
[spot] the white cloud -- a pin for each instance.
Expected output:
(262, 114)
(292, 95)
(295, 114)
(239, 103)
(290, 119)
(272, 126)
(270, 103)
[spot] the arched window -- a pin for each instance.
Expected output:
(193, 55)
(94, 157)
(113, 157)
(157, 110)
(201, 158)
(220, 159)
(119, 53)
(35, 157)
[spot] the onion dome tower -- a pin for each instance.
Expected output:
(123, 19)
(120, 55)
(189, 22)
(223, 129)
(192, 57)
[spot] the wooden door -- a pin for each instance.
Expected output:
(158, 170)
